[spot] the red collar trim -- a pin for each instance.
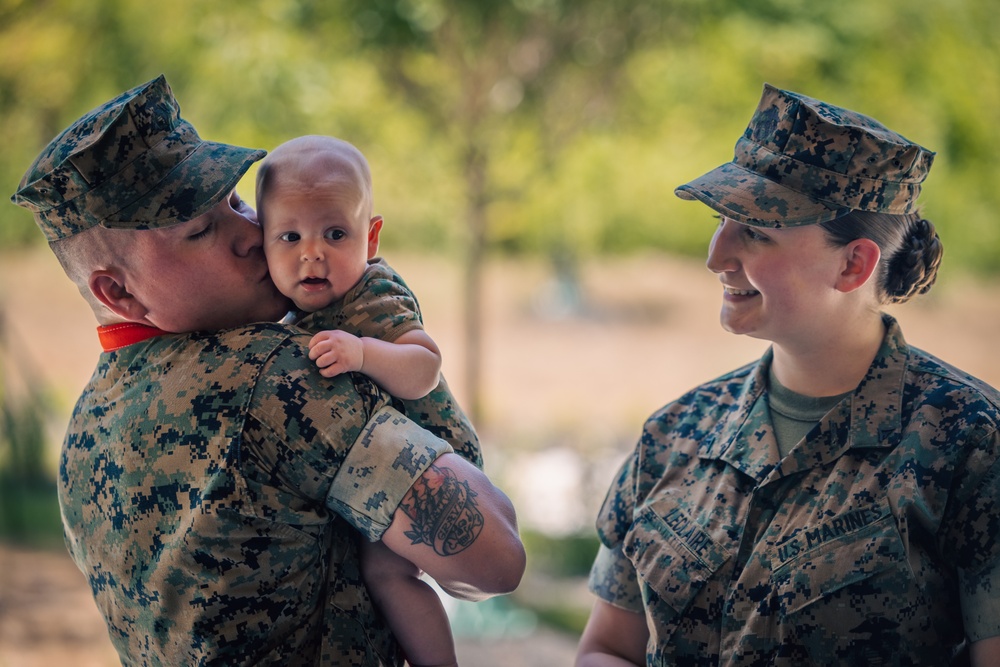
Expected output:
(116, 336)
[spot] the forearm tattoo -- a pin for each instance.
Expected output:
(444, 512)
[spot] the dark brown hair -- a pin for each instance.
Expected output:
(911, 250)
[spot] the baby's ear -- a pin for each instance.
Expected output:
(108, 286)
(374, 227)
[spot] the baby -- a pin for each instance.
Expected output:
(314, 203)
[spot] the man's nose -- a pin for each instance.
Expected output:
(247, 235)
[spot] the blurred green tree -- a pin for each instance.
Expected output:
(28, 508)
(496, 79)
(541, 126)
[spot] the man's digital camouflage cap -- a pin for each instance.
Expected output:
(802, 161)
(132, 163)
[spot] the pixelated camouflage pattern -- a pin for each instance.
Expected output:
(214, 488)
(131, 163)
(382, 306)
(853, 550)
(801, 161)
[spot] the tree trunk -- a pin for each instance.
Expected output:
(475, 175)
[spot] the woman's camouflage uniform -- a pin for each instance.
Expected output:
(853, 550)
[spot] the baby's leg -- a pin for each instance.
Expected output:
(411, 607)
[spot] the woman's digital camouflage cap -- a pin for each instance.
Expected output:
(802, 161)
(132, 163)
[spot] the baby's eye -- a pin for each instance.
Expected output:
(290, 237)
(335, 234)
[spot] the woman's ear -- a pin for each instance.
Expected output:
(861, 258)
(108, 287)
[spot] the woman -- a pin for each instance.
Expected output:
(838, 501)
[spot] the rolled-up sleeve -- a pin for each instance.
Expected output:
(381, 466)
(313, 444)
(613, 579)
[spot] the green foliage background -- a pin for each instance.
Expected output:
(586, 113)
(555, 127)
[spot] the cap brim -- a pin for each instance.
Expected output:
(194, 186)
(746, 196)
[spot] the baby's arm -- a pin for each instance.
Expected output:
(408, 367)
(410, 606)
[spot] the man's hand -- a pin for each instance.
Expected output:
(336, 352)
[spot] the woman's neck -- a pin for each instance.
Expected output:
(833, 364)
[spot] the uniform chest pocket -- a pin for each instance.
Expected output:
(840, 562)
(851, 599)
(674, 559)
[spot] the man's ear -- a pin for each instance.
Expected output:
(861, 258)
(108, 287)
(374, 227)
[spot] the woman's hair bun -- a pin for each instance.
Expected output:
(913, 268)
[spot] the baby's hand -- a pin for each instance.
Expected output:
(336, 352)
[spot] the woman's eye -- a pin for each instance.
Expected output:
(290, 237)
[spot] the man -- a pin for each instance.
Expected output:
(214, 487)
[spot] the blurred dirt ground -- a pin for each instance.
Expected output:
(575, 367)
(48, 619)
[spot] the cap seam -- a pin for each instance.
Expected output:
(68, 162)
(199, 210)
(155, 185)
(68, 202)
(834, 204)
(809, 165)
(105, 218)
(782, 222)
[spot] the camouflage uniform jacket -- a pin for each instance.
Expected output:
(856, 549)
(382, 306)
(213, 489)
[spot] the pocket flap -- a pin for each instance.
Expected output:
(850, 559)
(673, 555)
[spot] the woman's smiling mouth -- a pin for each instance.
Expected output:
(732, 291)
